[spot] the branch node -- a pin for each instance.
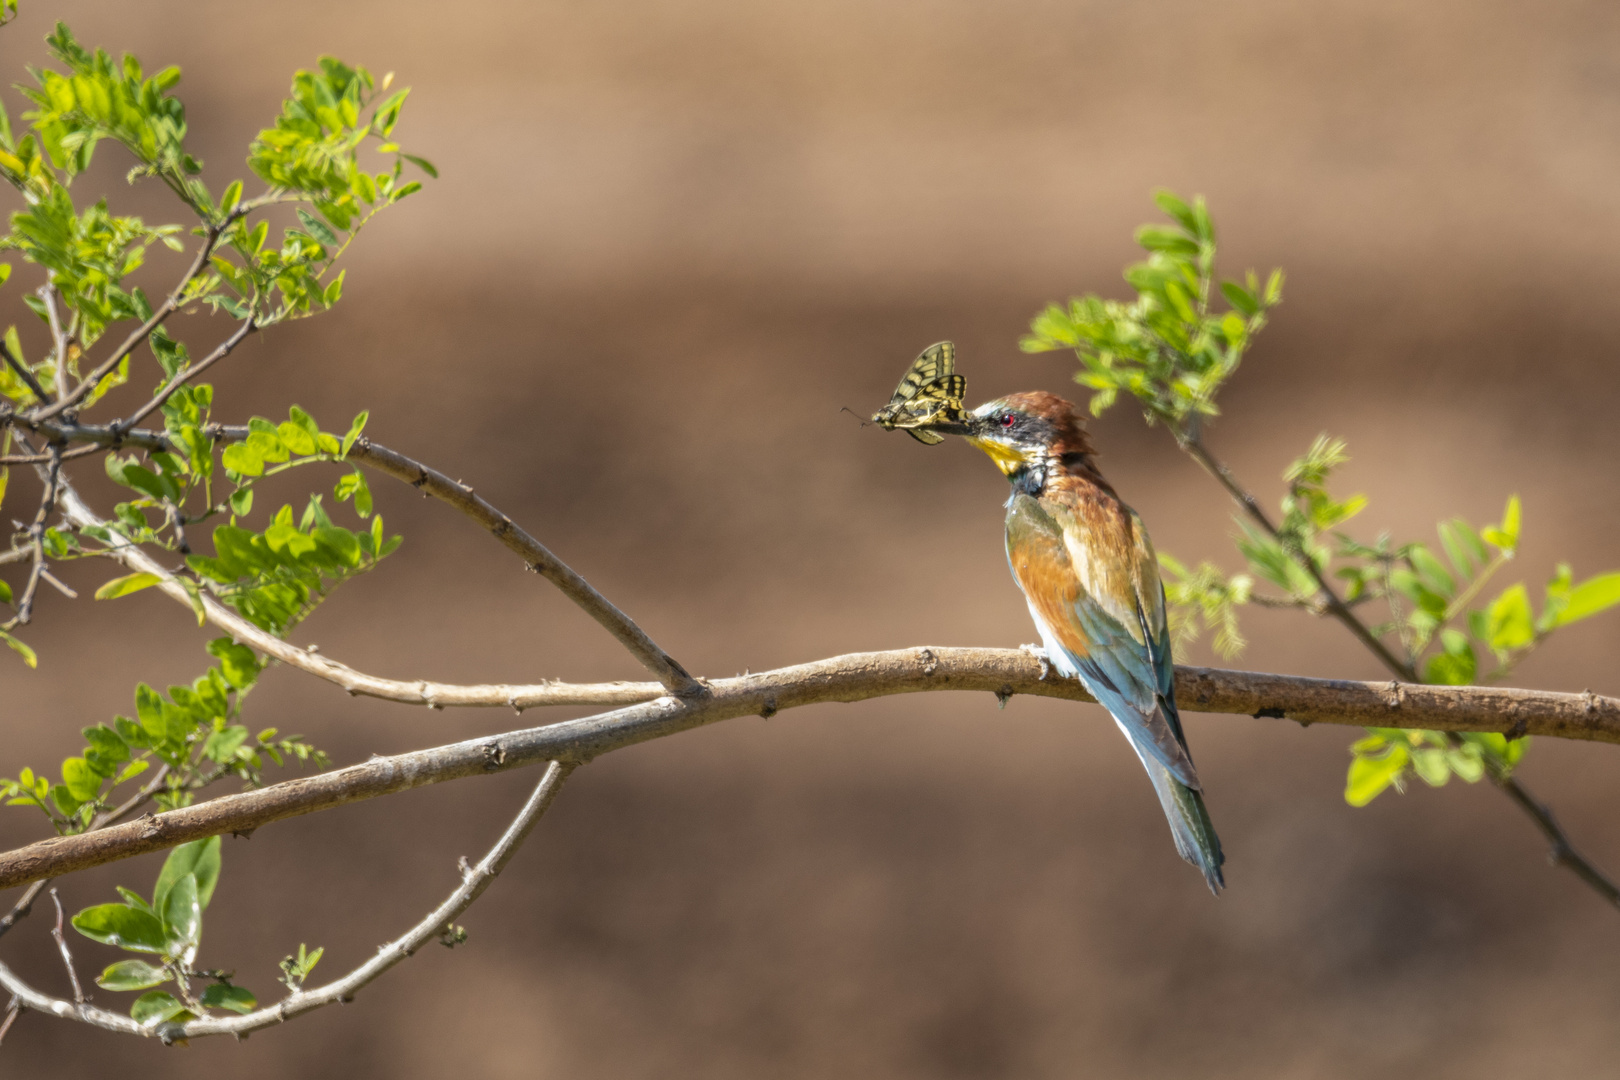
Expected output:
(1396, 694)
(494, 756)
(1588, 702)
(768, 709)
(929, 662)
(1004, 695)
(1275, 714)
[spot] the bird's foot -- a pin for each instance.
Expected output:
(1040, 654)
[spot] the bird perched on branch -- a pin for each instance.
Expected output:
(1087, 568)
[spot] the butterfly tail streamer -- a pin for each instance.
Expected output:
(1189, 821)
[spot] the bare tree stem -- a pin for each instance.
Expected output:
(67, 957)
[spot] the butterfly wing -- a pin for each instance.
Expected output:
(930, 387)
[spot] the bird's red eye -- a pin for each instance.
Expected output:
(1009, 420)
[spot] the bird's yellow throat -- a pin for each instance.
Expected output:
(1009, 459)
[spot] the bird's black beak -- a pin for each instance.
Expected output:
(945, 426)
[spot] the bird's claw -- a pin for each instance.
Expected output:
(1040, 654)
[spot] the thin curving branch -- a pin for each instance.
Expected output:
(67, 957)
(536, 555)
(855, 677)
(414, 691)
(180, 378)
(21, 369)
(54, 486)
(1327, 597)
(539, 558)
(474, 881)
(1563, 851)
(59, 337)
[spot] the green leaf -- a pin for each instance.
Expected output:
(422, 163)
(1240, 298)
(1369, 776)
(237, 663)
(238, 457)
(131, 975)
(1432, 571)
(1430, 763)
(22, 650)
(157, 1007)
(1467, 762)
(1511, 623)
(198, 859)
(355, 429)
(121, 926)
(1590, 597)
(295, 438)
(125, 585)
(1506, 535)
(221, 745)
(1457, 665)
(80, 780)
(237, 999)
(182, 915)
(242, 502)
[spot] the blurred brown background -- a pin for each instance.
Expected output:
(670, 241)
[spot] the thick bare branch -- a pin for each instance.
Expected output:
(474, 880)
(855, 677)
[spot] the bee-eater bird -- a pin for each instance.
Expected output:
(1087, 568)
